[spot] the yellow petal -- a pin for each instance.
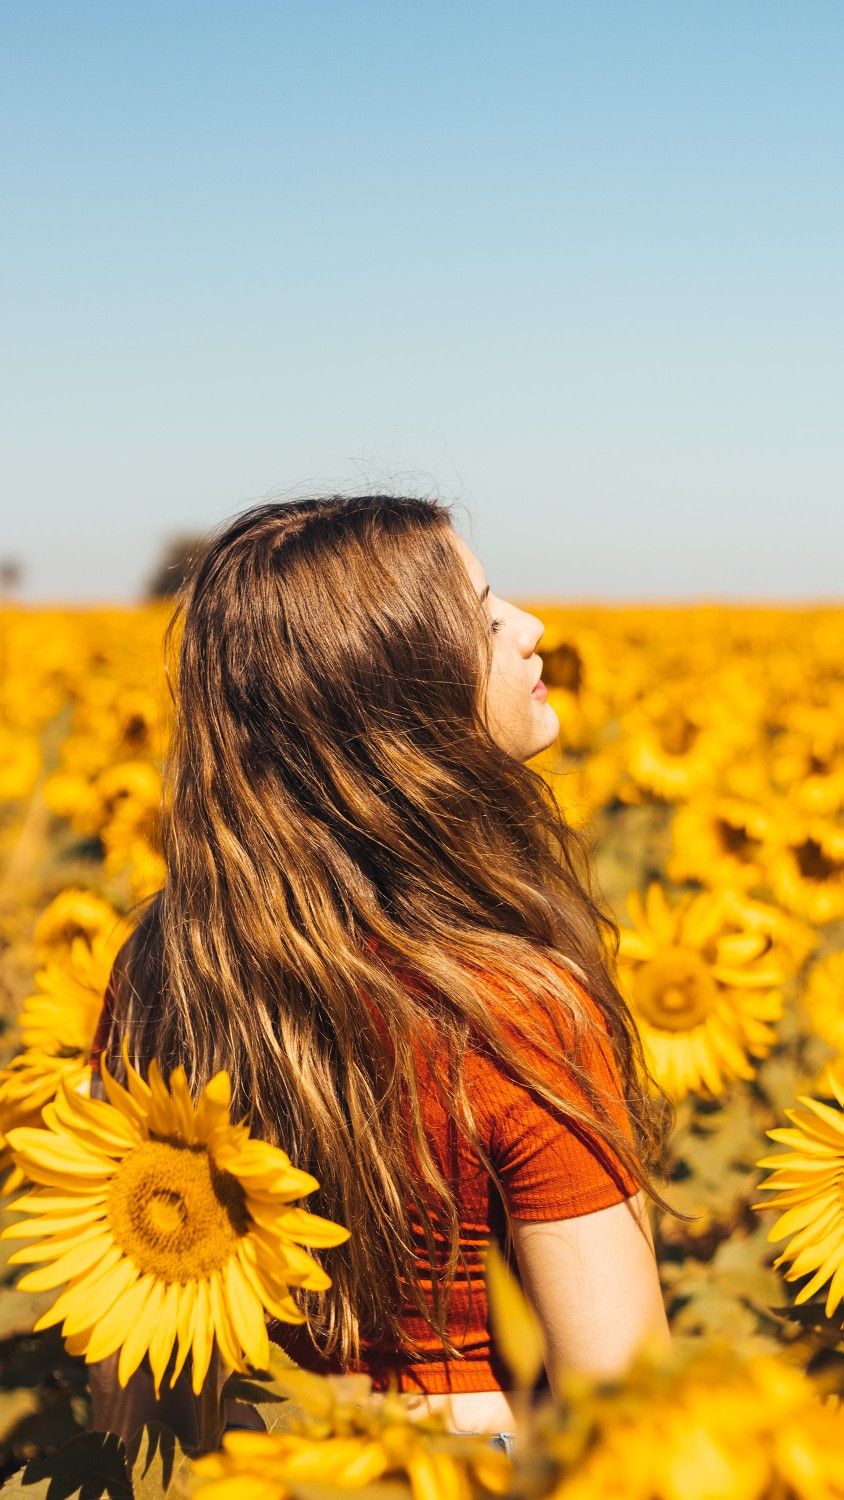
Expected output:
(75, 1294)
(136, 1342)
(28, 1229)
(57, 1156)
(163, 1334)
(74, 1263)
(222, 1318)
(87, 1301)
(202, 1337)
(660, 918)
(635, 946)
(41, 1200)
(133, 1109)
(184, 1327)
(247, 1315)
(741, 947)
(117, 1322)
(311, 1229)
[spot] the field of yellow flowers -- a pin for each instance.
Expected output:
(703, 747)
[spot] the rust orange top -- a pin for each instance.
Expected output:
(549, 1169)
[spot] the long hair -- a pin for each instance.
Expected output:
(337, 818)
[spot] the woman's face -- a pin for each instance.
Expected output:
(518, 715)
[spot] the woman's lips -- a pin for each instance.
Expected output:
(540, 691)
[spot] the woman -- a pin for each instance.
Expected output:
(376, 918)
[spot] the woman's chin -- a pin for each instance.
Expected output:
(546, 732)
(552, 722)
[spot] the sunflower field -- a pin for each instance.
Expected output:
(702, 748)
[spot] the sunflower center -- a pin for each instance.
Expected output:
(563, 668)
(174, 1212)
(676, 732)
(136, 732)
(675, 990)
(814, 864)
(736, 840)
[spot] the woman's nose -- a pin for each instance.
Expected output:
(532, 633)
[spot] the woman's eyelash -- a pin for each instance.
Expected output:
(495, 625)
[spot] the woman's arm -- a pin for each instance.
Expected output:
(594, 1284)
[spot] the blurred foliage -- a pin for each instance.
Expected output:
(169, 572)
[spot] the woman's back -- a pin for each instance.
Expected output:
(355, 716)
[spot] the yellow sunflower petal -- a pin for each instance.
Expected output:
(136, 1342)
(184, 1327)
(311, 1229)
(162, 1314)
(78, 1291)
(116, 1323)
(202, 1337)
(214, 1103)
(57, 1157)
(660, 918)
(40, 1200)
(635, 945)
(74, 1263)
(222, 1315)
(121, 1099)
(247, 1316)
(68, 1224)
(86, 1302)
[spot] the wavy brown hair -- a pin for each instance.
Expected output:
(337, 818)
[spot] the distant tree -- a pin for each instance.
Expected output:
(11, 573)
(177, 557)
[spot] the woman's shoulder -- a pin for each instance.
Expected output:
(540, 1037)
(533, 1017)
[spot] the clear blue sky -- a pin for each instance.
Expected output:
(576, 265)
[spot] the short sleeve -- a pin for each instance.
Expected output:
(551, 1167)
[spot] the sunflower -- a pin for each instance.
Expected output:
(131, 786)
(57, 1025)
(86, 752)
(823, 997)
(807, 759)
(583, 680)
(61, 1016)
(73, 913)
(808, 1182)
(675, 743)
(789, 940)
(805, 867)
(140, 724)
(704, 995)
(169, 1225)
(350, 1442)
(718, 840)
(134, 844)
(266, 1466)
(27, 1083)
(713, 1424)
